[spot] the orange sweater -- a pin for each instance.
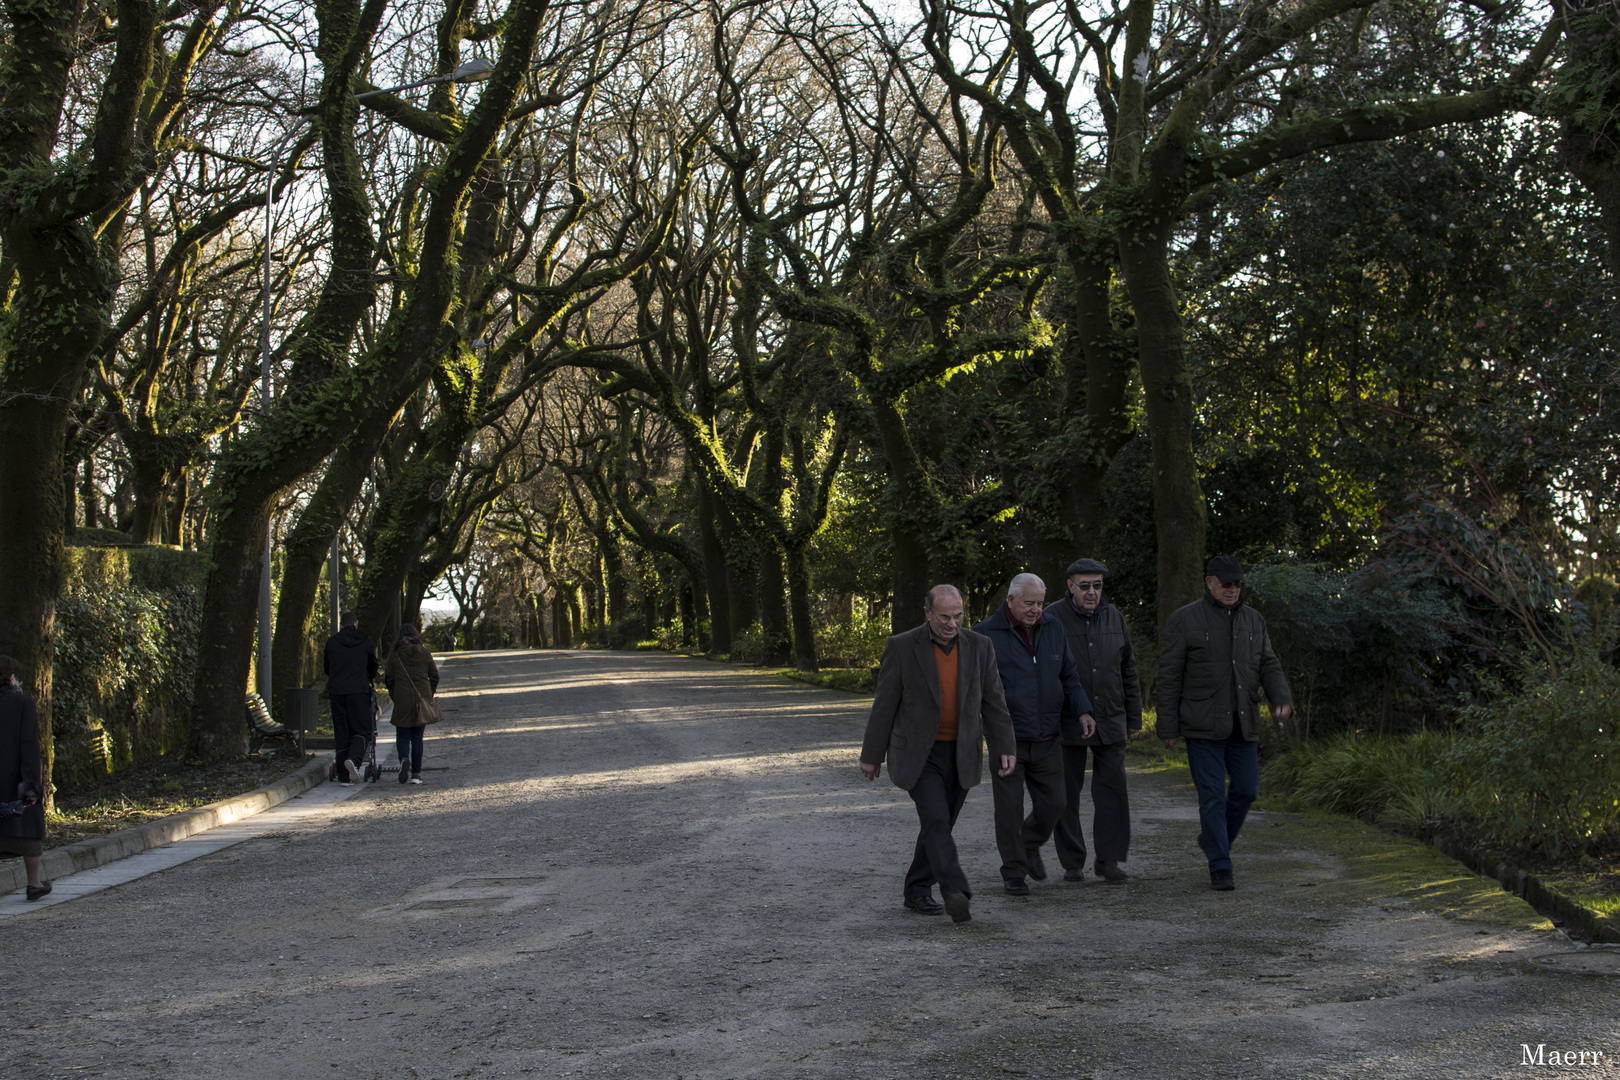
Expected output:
(946, 661)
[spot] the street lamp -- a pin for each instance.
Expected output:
(475, 70)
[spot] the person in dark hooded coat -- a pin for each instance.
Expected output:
(21, 778)
(351, 668)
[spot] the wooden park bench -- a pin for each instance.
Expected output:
(262, 727)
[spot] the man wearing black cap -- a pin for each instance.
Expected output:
(1101, 643)
(1215, 662)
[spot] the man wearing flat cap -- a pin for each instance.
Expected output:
(1215, 662)
(1101, 644)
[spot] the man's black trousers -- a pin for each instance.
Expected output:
(1111, 818)
(1039, 768)
(939, 796)
(351, 727)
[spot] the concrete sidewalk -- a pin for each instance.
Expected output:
(129, 854)
(193, 846)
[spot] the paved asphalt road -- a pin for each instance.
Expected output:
(638, 865)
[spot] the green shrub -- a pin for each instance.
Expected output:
(748, 645)
(1362, 650)
(1542, 763)
(857, 643)
(1536, 771)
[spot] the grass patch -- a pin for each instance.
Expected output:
(1607, 906)
(856, 680)
(1382, 865)
(154, 789)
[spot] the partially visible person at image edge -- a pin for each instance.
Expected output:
(410, 667)
(1101, 644)
(1213, 664)
(350, 663)
(20, 777)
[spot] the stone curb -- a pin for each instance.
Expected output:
(101, 850)
(1535, 892)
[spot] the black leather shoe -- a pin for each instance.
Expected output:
(957, 904)
(1110, 871)
(1033, 863)
(1221, 880)
(1016, 886)
(925, 904)
(37, 891)
(1076, 874)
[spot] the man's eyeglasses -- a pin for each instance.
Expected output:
(1238, 584)
(1088, 586)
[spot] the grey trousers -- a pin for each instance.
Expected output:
(1040, 769)
(1111, 807)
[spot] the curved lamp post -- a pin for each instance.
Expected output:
(475, 70)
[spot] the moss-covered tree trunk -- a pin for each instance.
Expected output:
(773, 613)
(328, 396)
(1097, 385)
(1180, 518)
(308, 547)
(58, 284)
(804, 636)
(908, 509)
(715, 581)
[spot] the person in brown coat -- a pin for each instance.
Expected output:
(21, 781)
(410, 676)
(938, 702)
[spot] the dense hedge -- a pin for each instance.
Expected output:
(1534, 771)
(126, 653)
(1369, 649)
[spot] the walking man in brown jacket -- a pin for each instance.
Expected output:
(938, 701)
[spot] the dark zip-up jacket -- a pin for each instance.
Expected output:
(1101, 644)
(1215, 662)
(1042, 688)
(350, 662)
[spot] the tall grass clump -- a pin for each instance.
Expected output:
(1404, 783)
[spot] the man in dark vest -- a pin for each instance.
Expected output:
(1043, 693)
(350, 663)
(1215, 662)
(1101, 644)
(938, 701)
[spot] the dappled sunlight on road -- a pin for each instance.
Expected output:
(655, 867)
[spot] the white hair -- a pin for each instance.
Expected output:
(1027, 583)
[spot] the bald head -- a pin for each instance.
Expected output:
(942, 607)
(1026, 599)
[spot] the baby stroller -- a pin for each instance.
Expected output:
(369, 770)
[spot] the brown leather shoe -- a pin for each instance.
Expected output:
(1110, 871)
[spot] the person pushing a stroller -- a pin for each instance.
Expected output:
(351, 668)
